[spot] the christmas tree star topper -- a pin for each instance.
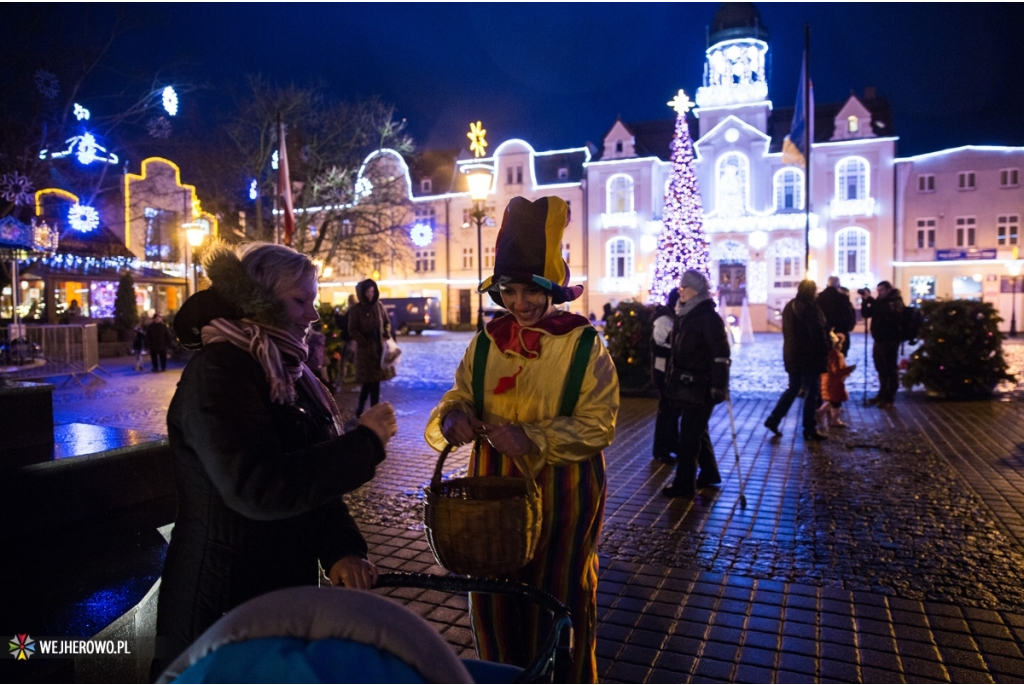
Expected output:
(477, 145)
(680, 103)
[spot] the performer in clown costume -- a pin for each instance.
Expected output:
(528, 412)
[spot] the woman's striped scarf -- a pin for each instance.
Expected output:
(281, 356)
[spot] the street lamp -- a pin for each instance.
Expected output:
(1014, 266)
(479, 178)
(195, 235)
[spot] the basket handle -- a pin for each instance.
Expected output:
(531, 482)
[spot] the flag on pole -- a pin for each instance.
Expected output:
(284, 185)
(794, 147)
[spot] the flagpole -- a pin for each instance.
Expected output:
(808, 124)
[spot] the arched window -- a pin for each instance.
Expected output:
(731, 186)
(852, 179)
(789, 189)
(852, 250)
(620, 258)
(620, 194)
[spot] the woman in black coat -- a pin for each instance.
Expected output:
(697, 379)
(260, 462)
(369, 326)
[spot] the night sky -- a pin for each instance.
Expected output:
(558, 75)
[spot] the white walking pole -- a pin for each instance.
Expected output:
(736, 451)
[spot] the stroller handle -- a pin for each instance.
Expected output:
(554, 661)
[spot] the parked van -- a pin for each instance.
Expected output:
(413, 314)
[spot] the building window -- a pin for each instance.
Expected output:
(566, 252)
(922, 288)
(467, 258)
(161, 226)
(965, 226)
(469, 222)
(620, 258)
(1007, 229)
(426, 186)
(489, 257)
(852, 250)
(852, 125)
(786, 267)
(731, 188)
(426, 214)
(563, 173)
(1009, 178)
(424, 261)
(618, 146)
(965, 180)
(852, 179)
(926, 183)
(789, 189)
(620, 194)
(925, 233)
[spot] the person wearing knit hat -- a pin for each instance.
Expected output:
(527, 366)
(696, 380)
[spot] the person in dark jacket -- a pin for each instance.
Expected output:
(259, 458)
(805, 353)
(886, 314)
(666, 426)
(840, 316)
(697, 380)
(158, 339)
(369, 326)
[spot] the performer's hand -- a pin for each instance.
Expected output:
(353, 572)
(509, 439)
(458, 428)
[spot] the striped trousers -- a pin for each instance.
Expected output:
(565, 565)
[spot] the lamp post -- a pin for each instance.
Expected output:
(1013, 267)
(196, 235)
(479, 178)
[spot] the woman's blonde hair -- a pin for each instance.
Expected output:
(277, 268)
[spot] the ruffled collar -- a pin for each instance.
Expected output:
(525, 341)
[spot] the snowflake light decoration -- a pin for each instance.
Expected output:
(87, 149)
(47, 84)
(159, 127)
(81, 112)
(680, 103)
(170, 100)
(83, 218)
(477, 143)
(364, 187)
(274, 160)
(15, 187)
(253, 192)
(422, 235)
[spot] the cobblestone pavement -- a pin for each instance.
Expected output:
(890, 553)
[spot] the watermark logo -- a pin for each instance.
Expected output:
(22, 647)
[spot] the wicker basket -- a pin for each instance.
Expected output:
(484, 526)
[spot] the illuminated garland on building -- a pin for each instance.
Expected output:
(682, 244)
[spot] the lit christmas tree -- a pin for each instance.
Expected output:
(682, 244)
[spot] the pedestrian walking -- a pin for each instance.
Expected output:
(833, 386)
(369, 326)
(666, 425)
(138, 344)
(840, 316)
(529, 353)
(259, 458)
(159, 340)
(805, 353)
(697, 379)
(886, 314)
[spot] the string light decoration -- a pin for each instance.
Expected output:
(170, 101)
(83, 218)
(81, 113)
(47, 84)
(682, 244)
(253, 192)
(477, 142)
(159, 127)
(15, 187)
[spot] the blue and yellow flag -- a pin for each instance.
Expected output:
(794, 147)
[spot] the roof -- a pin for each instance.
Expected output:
(436, 165)
(99, 242)
(737, 20)
(547, 167)
(653, 138)
(97, 271)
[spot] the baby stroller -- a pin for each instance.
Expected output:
(326, 635)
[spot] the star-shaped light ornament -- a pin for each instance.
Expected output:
(477, 144)
(680, 103)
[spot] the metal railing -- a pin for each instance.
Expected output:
(44, 351)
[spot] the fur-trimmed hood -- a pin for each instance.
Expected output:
(232, 295)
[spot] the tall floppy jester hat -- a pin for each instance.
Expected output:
(529, 249)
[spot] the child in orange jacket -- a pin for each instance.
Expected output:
(833, 385)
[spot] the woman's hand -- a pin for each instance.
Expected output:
(509, 439)
(458, 428)
(353, 572)
(380, 418)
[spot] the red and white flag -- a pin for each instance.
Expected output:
(284, 185)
